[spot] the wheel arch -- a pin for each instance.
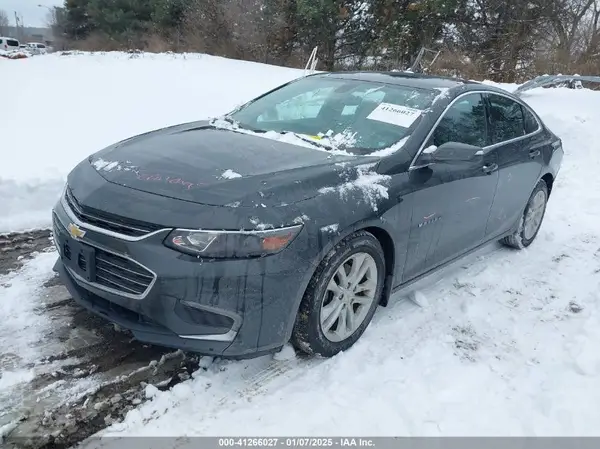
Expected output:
(548, 178)
(389, 254)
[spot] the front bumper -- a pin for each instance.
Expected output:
(231, 308)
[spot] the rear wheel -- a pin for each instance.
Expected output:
(531, 220)
(342, 296)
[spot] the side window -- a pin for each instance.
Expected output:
(531, 124)
(463, 122)
(506, 117)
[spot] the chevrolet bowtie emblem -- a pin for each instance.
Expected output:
(75, 231)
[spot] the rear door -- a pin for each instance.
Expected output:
(451, 201)
(517, 140)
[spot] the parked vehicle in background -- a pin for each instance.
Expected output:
(9, 44)
(36, 48)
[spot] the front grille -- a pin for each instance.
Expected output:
(108, 221)
(121, 274)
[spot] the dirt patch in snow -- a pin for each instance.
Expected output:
(15, 248)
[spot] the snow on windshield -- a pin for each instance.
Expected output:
(323, 143)
(337, 114)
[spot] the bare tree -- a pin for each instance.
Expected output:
(51, 17)
(590, 39)
(3, 22)
(501, 36)
(206, 29)
(566, 19)
(249, 29)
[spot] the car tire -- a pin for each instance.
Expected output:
(531, 220)
(316, 331)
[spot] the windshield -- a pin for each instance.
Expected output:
(358, 116)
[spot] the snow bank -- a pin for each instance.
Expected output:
(67, 107)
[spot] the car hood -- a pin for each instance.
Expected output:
(202, 164)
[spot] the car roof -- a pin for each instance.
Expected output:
(410, 79)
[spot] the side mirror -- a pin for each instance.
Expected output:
(455, 152)
(449, 152)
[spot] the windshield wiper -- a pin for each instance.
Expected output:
(306, 138)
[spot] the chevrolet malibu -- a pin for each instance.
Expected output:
(295, 216)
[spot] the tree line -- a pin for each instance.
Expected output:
(502, 40)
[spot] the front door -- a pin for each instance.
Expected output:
(452, 201)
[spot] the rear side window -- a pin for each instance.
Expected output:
(463, 122)
(12, 43)
(507, 120)
(531, 124)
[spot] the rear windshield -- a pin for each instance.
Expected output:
(369, 115)
(12, 43)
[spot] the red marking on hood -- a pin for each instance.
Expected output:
(157, 177)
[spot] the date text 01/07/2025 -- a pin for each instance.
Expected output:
(295, 442)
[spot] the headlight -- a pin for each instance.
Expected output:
(231, 244)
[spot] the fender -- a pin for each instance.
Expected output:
(373, 223)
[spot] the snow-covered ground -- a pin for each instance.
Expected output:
(504, 343)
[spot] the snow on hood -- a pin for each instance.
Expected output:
(101, 164)
(230, 174)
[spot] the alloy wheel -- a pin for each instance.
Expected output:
(534, 215)
(348, 296)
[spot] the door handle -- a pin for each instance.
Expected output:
(489, 169)
(534, 153)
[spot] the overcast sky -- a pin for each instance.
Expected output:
(32, 14)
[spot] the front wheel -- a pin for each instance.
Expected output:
(342, 296)
(531, 220)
